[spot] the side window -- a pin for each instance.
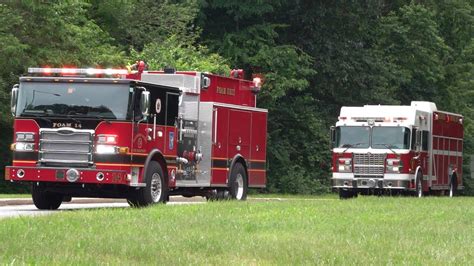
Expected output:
(158, 105)
(413, 139)
(172, 100)
(424, 140)
(137, 114)
(163, 105)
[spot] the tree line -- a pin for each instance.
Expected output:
(316, 56)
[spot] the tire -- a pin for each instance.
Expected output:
(238, 183)
(155, 191)
(346, 194)
(419, 185)
(44, 200)
(453, 184)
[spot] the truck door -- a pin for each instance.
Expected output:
(158, 131)
(239, 133)
(161, 132)
(139, 150)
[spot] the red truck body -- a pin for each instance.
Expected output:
(141, 136)
(414, 148)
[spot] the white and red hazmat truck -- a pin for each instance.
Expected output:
(413, 149)
(141, 135)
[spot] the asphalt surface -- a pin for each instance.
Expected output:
(15, 207)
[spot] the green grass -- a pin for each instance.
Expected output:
(367, 230)
(14, 196)
(291, 196)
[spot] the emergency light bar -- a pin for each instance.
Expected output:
(77, 71)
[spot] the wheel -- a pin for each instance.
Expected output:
(453, 186)
(238, 183)
(419, 185)
(347, 194)
(155, 191)
(44, 200)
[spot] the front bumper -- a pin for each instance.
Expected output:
(58, 174)
(388, 181)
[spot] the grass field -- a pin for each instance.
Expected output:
(4, 196)
(367, 230)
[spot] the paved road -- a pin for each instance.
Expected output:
(25, 208)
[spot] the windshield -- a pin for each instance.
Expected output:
(352, 137)
(375, 137)
(102, 100)
(390, 137)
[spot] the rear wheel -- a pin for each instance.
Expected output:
(419, 185)
(238, 184)
(453, 186)
(44, 200)
(155, 191)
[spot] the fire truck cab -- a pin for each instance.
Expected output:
(142, 136)
(379, 148)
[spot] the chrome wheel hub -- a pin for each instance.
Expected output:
(239, 180)
(156, 187)
(419, 189)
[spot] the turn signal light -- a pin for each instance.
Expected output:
(345, 165)
(7, 174)
(394, 166)
(123, 150)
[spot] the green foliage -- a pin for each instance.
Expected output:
(137, 23)
(341, 39)
(173, 52)
(237, 30)
(61, 34)
(410, 39)
(298, 146)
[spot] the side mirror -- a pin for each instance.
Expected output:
(145, 103)
(205, 81)
(333, 136)
(14, 98)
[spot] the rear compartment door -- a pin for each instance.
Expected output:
(239, 133)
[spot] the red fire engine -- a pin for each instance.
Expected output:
(142, 136)
(416, 149)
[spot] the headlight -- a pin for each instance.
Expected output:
(345, 165)
(25, 136)
(105, 149)
(24, 146)
(394, 166)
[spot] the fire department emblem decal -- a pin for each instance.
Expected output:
(158, 105)
(139, 143)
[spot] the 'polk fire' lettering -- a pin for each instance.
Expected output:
(226, 91)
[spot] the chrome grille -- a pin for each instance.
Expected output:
(368, 164)
(66, 146)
